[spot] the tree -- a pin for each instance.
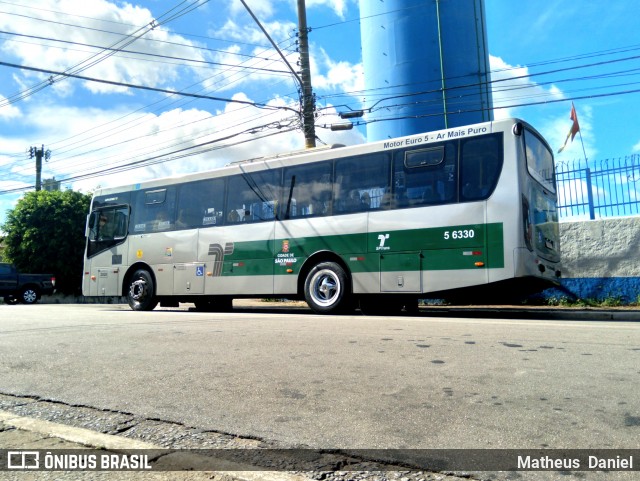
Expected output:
(45, 234)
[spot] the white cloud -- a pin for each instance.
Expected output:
(338, 6)
(248, 31)
(93, 144)
(338, 76)
(556, 129)
(8, 111)
(7, 202)
(96, 136)
(265, 9)
(512, 86)
(260, 60)
(515, 89)
(266, 68)
(327, 74)
(94, 22)
(262, 9)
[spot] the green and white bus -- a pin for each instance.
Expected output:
(378, 225)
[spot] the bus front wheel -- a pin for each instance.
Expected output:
(141, 295)
(326, 288)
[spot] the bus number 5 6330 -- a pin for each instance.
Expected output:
(459, 234)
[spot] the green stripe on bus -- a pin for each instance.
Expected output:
(433, 249)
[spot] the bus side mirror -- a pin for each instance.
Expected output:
(87, 227)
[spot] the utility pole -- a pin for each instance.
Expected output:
(304, 79)
(308, 107)
(39, 154)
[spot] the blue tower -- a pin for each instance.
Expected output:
(425, 64)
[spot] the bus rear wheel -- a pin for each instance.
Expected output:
(326, 289)
(141, 294)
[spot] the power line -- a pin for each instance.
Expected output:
(493, 82)
(181, 153)
(175, 155)
(143, 87)
(511, 106)
(61, 158)
(159, 148)
(359, 19)
(76, 27)
(507, 88)
(105, 53)
(149, 54)
(124, 24)
(388, 98)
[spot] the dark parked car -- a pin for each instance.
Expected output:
(26, 288)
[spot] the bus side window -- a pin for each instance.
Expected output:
(307, 190)
(481, 164)
(200, 204)
(252, 197)
(153, 210)
(362, 183)
(425, 176)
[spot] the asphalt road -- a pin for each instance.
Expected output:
(297, 379)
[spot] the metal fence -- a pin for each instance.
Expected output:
(607, 188)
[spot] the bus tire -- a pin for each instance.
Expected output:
(326, 289)
(141, 293)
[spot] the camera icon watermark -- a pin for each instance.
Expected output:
(23, 460)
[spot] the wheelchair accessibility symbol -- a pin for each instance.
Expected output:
(199, 271)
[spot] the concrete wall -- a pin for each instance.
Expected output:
(601, 258)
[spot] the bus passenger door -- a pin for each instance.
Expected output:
(107, 250)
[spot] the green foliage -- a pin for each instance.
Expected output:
(45, 234)
(564, 301)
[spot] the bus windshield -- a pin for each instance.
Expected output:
(539, 160)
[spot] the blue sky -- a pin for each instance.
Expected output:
(587, 51)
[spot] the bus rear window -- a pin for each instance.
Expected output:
(539, 160)
(481, 164)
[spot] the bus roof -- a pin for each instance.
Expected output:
(323, 153)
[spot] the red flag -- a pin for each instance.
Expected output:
(575, 127)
